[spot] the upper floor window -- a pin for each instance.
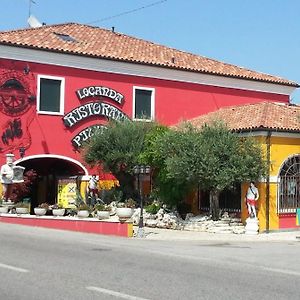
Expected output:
(51, 95)
(143, 103)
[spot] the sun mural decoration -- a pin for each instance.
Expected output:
(16, 99)
(15, 94)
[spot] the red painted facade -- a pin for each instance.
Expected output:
(48, 141)
(174, 101)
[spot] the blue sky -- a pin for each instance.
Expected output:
(262, 35)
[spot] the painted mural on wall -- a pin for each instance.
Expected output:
(97, 108)
(17, 97)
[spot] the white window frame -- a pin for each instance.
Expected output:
(62, 95)
(152, 103)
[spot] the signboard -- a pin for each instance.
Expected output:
(86, 134)
(66, 192)
(94, 91)
(93, 109)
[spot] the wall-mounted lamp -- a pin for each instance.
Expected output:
(22, 151)
(26, 70)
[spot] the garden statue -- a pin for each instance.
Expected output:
(10, 175)
(92, 189)
(7, 174)
(251, 200)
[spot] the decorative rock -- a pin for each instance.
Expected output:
(228, 223)
(151, 223)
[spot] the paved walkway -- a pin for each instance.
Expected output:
(169, 234)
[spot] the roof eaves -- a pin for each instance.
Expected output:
(163, 65)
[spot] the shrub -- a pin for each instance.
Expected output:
(44, 205)
(22, 205)
(84, 206)
(56, 206)
(130, 203)
(153, 208)
(102, 207)
(23, 189)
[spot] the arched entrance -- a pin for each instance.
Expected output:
(50, 168)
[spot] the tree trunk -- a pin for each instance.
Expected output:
(214, 204)
(126, 182)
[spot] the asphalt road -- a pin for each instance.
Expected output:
(38, 263)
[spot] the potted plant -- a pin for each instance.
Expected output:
(58, 210)
(23, 189)
(22, 208)
(102, 211)
(83, 210)
(125, 209)
(41, 209)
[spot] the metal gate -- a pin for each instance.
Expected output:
(289, 186)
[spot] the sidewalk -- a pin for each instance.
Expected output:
(180, 235)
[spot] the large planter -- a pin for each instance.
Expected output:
(124, 213)
(58, 212)
(103, 214)
(3, 209)
(40, 211)
(22, 210)
(83, 214)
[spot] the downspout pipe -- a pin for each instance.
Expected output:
(268, 143)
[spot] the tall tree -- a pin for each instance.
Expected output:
(117, 150)
(216, 158)
(160, 144)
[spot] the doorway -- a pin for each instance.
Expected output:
(49, 169)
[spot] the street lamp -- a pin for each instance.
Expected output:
(141, 170)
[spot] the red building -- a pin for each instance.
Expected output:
(57, 83)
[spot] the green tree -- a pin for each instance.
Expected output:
(160, 144)
(215, 158)
(117, 150)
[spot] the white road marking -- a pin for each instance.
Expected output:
(282, 271)
(13, 268)
(230, 263)
(113, 293)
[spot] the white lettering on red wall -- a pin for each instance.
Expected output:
(93, 109)
(93, 91)
(86, 133)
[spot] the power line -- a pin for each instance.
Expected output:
(127, 12)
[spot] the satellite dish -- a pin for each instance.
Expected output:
(33, 22)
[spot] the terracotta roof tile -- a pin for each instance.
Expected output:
(258, 116)
(103, 43)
